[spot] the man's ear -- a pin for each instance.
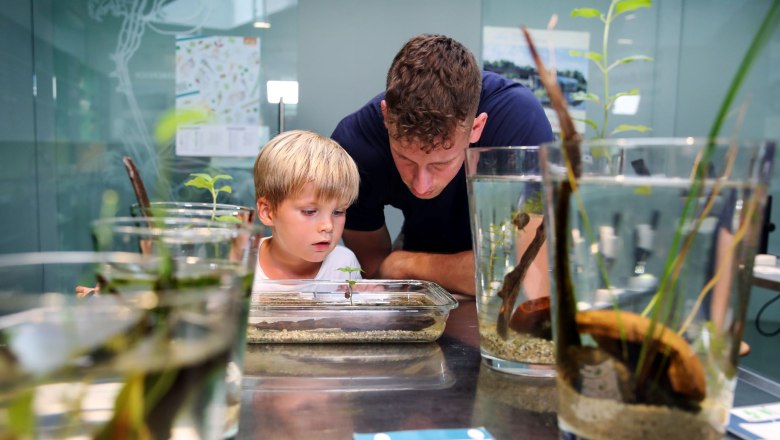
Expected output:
(477, 126)
(264, 211)
(383, 106)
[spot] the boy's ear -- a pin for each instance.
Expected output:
(264, 212)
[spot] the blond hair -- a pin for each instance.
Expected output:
(294, 158)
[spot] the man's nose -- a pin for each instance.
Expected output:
(422, 181)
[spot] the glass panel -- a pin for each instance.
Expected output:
(18, 181)
(111, 72)
(695, 48)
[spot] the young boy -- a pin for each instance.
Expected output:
(304, 183)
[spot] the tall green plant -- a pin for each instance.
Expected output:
(601, 60)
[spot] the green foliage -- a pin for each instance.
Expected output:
(601, 60)
(21, 418)
(534, 204)
(350, 282)
(350, 270)
(165, 130)
(208, 182)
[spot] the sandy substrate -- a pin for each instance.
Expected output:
(594, 418)
(518, 348)
(335, 335)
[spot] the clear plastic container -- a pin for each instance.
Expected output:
(314, 311)
(346, 367)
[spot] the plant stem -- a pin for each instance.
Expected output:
(603, 66)
(565, 321)
(512, 281)
(213, 204)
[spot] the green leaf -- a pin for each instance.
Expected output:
(629, 92)
(222, 177)
(595, 56)
(629, 59)
(630, 5)
(584, 96)
(227, 219)
(110, 204)
(166, 127)
(587, 13)
(225, 189)
(613, 98)
(21, 418)
(350, 269)
(200, 182)
(203, 175)
(590, 122)
(625, 127)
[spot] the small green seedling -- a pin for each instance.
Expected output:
(206, 181)
(350, 282)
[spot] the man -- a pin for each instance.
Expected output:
(409, 144)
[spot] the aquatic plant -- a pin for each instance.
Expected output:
(661, 348)
(615, 9)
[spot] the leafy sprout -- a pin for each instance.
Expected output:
(350, 281)
(208, 182)
(600, 59)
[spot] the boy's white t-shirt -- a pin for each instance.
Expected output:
(340, 256)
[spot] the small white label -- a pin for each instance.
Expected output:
(217, 140)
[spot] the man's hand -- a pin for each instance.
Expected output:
(454, 272)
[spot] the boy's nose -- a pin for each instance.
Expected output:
(326, 225)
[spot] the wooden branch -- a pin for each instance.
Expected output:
(512, 281)
(569, 136)
(138, 185)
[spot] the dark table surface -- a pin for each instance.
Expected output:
(327, 391)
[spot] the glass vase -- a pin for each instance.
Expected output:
(652, 251)
(224, 243)
(510, 259)
(209, 211)
(95, 346)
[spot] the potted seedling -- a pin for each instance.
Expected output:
(350, 282)
(209, 183)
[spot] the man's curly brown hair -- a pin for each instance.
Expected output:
(433, 88)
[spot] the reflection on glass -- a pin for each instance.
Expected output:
(504, 400)
(346, 367)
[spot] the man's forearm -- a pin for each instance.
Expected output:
(454, 272)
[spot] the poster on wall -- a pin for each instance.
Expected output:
(221, 76)
(505, 52)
